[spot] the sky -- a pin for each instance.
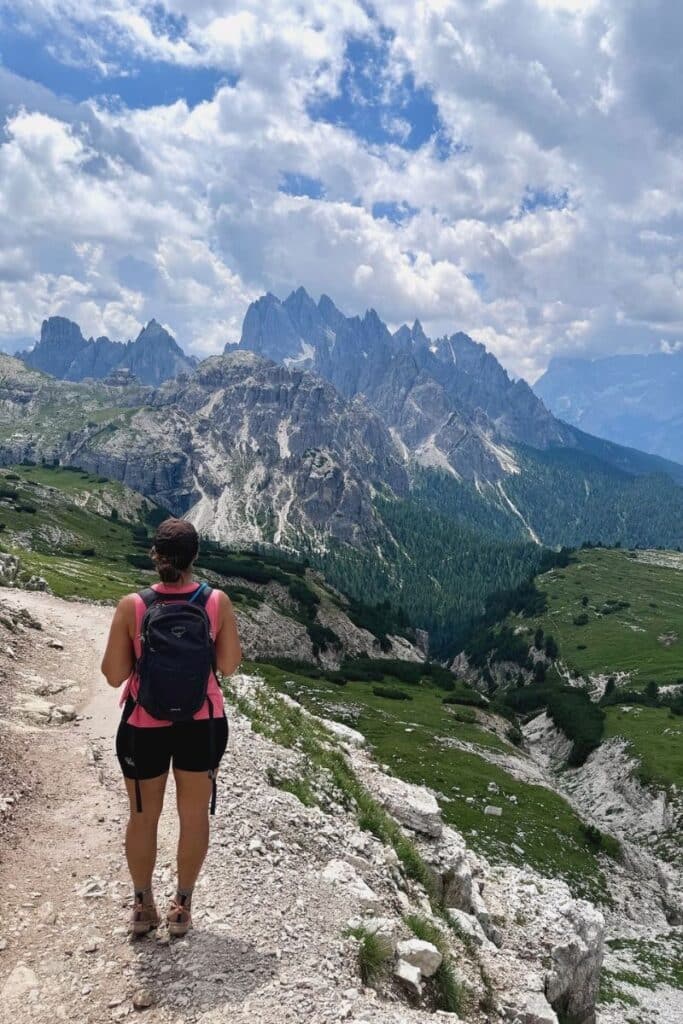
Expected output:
(510, 168)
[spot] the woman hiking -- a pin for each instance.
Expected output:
(166, 644)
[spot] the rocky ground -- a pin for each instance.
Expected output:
(282, 884)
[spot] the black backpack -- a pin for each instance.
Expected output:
(177, 658)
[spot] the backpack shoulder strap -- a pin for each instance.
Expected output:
(201, 595)
(149, 596)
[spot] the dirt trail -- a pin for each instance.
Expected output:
(267, 943)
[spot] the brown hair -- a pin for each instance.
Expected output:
(176, 545)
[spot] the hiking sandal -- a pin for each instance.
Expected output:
(144, 918)
(178, 919)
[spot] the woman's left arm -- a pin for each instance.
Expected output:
(119, 657)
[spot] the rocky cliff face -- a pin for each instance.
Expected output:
(63, 352)
(449, 402)
(250, 450)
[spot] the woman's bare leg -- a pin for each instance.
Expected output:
(141, 833)
(194, 795)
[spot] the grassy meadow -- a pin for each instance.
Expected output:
(616, 611)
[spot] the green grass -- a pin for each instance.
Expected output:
(50, 541)
(537, 821)
(373, 955)
(655, 961)
(628, 638)
(655, 737)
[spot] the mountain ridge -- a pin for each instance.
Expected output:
(449, 401)
(63, 352)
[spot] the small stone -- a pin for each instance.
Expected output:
(91, 945)
(143, 999)
(492, 811)
(46, 913)
(64, 713)
(56, 645)
(19, 984)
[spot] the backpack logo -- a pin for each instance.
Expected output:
(178, 631)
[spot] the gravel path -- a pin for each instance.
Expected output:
(267, 946)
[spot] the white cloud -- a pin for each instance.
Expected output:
(113, 215)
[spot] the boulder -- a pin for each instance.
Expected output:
(413, 806)
(420, 954)
(410, 976)
(344, 733)
(535, 1009)
(340, 873)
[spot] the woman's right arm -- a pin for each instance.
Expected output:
(119, 657)
(228, 650)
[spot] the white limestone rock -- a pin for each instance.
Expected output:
(340, 873)
(470, 927)
(344, 733)
(21, 981)
(420, 954)
(413, 806)
(409, 975)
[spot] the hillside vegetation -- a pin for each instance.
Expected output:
(614, 611)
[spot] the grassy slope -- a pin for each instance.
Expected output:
(546, 832)
(48, 541)
(626, 640)
(656, 736)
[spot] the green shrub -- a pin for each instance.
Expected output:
(472, 699)
(27, 507)
(582, 721)
(322, 637)
(140, 561)
(391, 693)
(580, 620)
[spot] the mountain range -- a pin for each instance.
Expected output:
(406, 468)
(63, 352)
(448, 402)
(632, 399)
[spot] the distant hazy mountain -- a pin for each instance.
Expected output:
(63, 352)
(633, 400)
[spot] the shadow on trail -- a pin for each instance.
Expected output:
(206, 969)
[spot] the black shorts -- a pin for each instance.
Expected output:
(147, 753)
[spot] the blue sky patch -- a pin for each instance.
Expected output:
(395, 212)
(293, 184)
(544, 199)
(479, 281)
(374, 104)
(66, 69)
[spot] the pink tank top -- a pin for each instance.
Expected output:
(141, 718)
